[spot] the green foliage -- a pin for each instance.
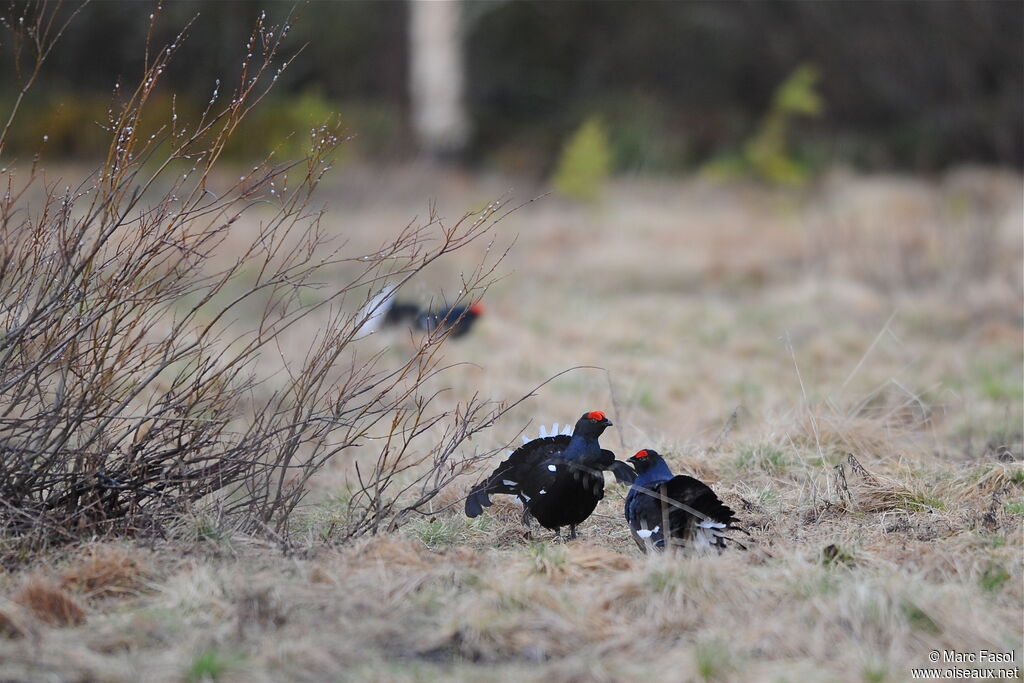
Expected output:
(993, 578)
(768, 155)
(762, 457)
(713, 660)
(833, 555)
(282, 124)
(643, 135)
(664, 580)
(73, 124)
(999, 380)
(1015, 507)
(211, 665)
(438, 532)
(922, 501)
(875, 672)
(547, 558)
(585, 163)
(919, 619)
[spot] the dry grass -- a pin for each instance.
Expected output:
(844, 367)
(107, 570)
(49, 602)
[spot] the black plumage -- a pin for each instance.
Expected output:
(689, 508)
(398, 312)
(559, 479)
(383, 309)
(459, 318)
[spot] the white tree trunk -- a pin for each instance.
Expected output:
(437, 76)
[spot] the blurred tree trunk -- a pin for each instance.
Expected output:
(437, 77)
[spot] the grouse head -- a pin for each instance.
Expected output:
(476, 309)
(592, 424)
(644, 460)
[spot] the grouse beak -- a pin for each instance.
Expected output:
(606, 422)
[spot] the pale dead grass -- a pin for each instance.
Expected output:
(757, 338)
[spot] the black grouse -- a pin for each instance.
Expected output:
(384, 309)
(459, 318)
(559, 479)
(694, 514)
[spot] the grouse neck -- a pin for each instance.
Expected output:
(658, 472)
(580, 445)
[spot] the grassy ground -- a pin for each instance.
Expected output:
(843, 365)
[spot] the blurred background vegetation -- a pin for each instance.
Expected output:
(771, 89)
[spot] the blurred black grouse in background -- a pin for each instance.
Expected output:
(647, 511)
(559, 479)
(383, 309)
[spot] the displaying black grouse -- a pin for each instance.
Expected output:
(559, 479)
(383, 309)
(694, 514)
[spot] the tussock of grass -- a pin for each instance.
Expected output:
(106, 570)
(15, 621)
(990, 479)
(875, 493)
(50, 603)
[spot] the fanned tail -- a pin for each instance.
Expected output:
(374, 313)
(498, 482)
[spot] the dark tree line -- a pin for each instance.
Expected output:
(917, 85)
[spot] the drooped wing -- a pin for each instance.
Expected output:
(623, 472)
(527, 467)
(699, 496)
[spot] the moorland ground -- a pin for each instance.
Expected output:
(842, 363)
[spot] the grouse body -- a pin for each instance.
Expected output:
(694, 514)
(458, 318)
(384, 309)
(559, 479)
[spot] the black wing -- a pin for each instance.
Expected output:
(399, 312)
(456, 317)
(523, 467)
(605, 461)
(699, 496)
(646, 514)
(623, 472)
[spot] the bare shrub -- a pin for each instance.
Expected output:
(142, 320)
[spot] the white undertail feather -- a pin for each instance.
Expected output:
(372, 314)
(707, 533)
